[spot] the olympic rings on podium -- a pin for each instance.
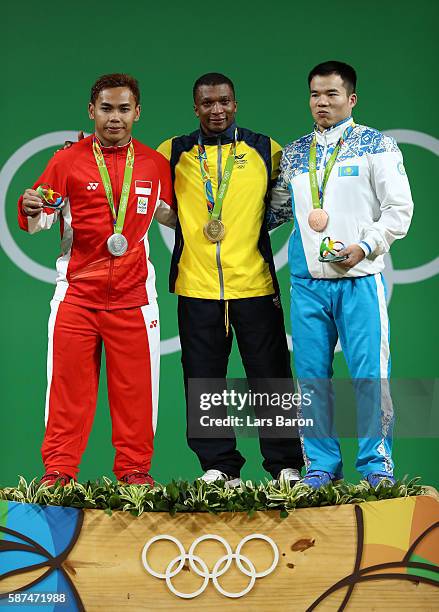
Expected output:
(220, 568)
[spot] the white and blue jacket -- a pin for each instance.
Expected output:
(367, 198)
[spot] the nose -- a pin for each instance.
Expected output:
(217, 108)
(114, 117)
(323, 101)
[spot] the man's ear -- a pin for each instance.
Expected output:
(196, 110)
(353, 99)
(91, 110)
(138, 111)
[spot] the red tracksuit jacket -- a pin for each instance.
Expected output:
(87, 274)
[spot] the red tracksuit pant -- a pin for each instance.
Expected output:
(132, 349)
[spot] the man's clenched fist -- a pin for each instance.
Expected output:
(32, 203)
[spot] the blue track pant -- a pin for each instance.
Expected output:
(354, 310)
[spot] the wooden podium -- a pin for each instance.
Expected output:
(380, 555)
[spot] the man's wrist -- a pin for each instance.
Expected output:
(365, 246)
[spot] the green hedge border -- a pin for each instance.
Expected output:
(182, 496)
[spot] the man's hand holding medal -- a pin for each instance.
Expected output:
(34, 200)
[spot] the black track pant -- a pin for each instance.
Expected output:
(259, 327)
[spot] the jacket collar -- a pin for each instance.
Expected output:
(225, 137)
(332, 134)
(114, 149)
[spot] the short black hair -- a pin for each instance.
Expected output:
(212, 78)
(116, 79)
(347, 73)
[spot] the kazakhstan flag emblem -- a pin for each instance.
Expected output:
(348, 171)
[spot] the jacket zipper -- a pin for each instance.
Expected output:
(322, 171)
(218, 244)
(115, 192)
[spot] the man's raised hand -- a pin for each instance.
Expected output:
(69, 143)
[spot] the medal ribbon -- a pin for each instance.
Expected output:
(316, 193)
(214, 207)
(119, 218)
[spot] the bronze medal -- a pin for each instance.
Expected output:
(318, 219)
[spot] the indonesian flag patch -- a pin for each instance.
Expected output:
(143, 188)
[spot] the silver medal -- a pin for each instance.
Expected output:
(117, 244)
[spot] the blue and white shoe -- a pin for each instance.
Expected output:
(380, 479)
(317, 478)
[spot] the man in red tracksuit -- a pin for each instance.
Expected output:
(105, 192)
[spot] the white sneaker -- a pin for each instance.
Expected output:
(290, 475)
(215, 475)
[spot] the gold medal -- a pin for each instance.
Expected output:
(214, 230)
(318, 219)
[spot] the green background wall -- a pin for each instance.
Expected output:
(51, 54)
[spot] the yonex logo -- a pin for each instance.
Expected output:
(196, 564)
(92, 186)
(153, 324)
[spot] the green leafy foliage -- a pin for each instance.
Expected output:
(182, 496)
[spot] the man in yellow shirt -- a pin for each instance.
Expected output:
(223, 270)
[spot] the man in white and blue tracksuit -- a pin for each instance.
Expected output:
(365, 201)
